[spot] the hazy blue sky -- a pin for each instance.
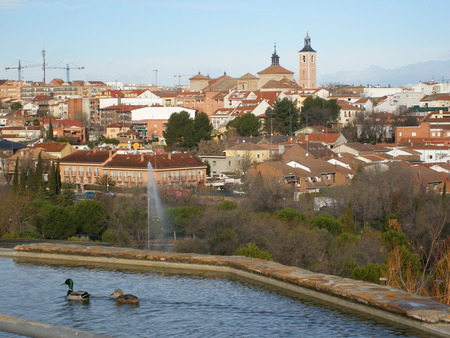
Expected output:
(127, 40)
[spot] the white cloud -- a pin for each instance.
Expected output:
(12, 3)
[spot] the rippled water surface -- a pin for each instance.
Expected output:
(171, 305)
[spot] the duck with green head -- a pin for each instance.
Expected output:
(75, 295)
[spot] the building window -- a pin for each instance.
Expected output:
(413, 133)
(312, 58)
(304, 58)
(214, 163)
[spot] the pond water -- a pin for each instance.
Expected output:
(171, 305)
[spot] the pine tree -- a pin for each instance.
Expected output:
(50, 131)
(52, 190)
(23, 180)
(58, 178)
(38, 179)
(15, 182)
(348, 220)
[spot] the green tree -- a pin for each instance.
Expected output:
(226, 205)
(92, 217)
(62, 140)
(179, 131)
(319, 112)
(38, 174)
(182, 217)
(23, 180)
(282, 118)
(15, 182)
(51, 184)
(58, 178)
(246, 125)
(49, 135)
(328, 222)
(16, 106)
(348, 219)
(202, 128)
(253, 251)
(290, 215)
(59, 222)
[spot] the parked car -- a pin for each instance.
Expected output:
(90, 194)
(109, 193)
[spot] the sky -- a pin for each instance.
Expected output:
(167, 41)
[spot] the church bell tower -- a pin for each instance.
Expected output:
(307, 65)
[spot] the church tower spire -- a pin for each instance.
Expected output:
(275, 57)
(307, 65)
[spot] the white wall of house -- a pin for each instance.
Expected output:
(393, 102)
(158, 113)
(382, 91)
(428, 88)
(146, 101)
(434, 155)
(222, 164)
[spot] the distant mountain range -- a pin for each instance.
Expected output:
(403, 76)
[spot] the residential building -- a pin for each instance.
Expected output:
(330, 140)
(10, 89)
(22, 133)
(156, 118)
(55, 149)
(250, 152)
(433, 129)
(132, 168)
(347, 114)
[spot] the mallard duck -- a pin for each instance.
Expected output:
(124, 299)
(75, 295)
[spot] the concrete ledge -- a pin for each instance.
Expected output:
(382, 301)
(30, 328)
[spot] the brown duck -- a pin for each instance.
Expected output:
(124, 299)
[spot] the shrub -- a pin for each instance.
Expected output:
(253, 251)
(226, 205)
(92, 217)
(393, 238)
(23, 234)
(78, 239)
(328, 222)
(370, 273)
(192, 245)
(181, 217)
(290, 215)
(59, 223)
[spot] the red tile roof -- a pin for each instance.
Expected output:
(275, 70)
(320, 137)
(87, 156)
(51, 147)
(162, 161)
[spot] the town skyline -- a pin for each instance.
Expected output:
(166, 43)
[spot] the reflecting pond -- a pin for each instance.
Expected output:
(171, 304)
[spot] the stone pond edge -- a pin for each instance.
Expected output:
(383, 301)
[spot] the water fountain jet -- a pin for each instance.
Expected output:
(154, 209)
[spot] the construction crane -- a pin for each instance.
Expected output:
(20, 67)
(67, 68)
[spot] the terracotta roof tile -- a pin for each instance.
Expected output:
(275, 70)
